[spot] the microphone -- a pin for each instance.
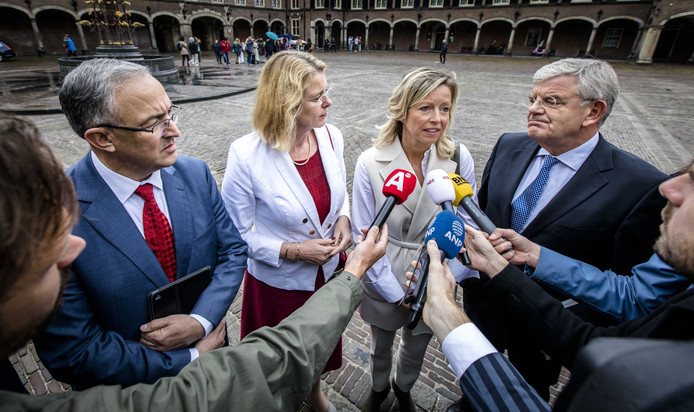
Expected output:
(398, 186)
(448, 231)
(440, 189)
(463, 197)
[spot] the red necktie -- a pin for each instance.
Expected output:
(158, 232)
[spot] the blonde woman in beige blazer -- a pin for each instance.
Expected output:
(414, 139)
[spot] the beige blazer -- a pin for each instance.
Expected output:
(407, 225)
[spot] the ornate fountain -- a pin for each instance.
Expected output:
(111, 21)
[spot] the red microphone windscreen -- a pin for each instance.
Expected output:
(399, 184)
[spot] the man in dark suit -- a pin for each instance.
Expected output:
(488, 380)
(148, 217)
(564, 186)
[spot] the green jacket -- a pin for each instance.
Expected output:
(272, 369)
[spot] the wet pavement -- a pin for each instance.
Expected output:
(653, 118)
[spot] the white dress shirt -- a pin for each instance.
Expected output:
(124, 189)
(560, 174)
(464, 346)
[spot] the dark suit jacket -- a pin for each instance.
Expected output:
(95, 337)
(607, 215)
(491, 383)
(561, 333)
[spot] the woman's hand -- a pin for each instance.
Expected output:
(342, 235)
(314, 251)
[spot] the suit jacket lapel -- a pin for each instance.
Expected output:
(102, 210)
(587, 181)
(181, 219)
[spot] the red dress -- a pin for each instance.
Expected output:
(260, 301)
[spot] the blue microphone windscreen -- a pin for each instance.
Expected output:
(448, 230)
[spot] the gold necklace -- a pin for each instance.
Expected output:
(308, 157)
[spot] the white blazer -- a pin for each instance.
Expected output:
(270, 204)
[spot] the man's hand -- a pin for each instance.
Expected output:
(524, 252)
(368, 251)
(440, 312)
(214, 340)
(171, 332)
(483, 257)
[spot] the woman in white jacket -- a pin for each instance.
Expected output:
(285, 189)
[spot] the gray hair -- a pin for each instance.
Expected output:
(597, 80)
(88, 92)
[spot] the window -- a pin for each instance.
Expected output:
(320, 4)
(538, 1)
(533, 37)
(407, 4)
(381, 4)
(295, 26)
(356, 4)
(612, 37)
(240, 2)
(435, 3)
(500, 2)
(260, 3)
(466, 3)
(277, 4)
(217, 1)
(337, 4)
(295, 4)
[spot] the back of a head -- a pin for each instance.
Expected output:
(280, 94)
(597, 79)
(88, 92)
(37, 201)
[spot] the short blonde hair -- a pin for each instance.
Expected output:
(280, 95)
(414, 87)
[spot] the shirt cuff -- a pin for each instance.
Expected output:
(206, 324)
(194, 354)
(464, 346)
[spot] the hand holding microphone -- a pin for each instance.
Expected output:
(442, 192)
(397, 188)
(448, 230)
(463, 197)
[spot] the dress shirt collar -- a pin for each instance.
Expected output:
(123, 187)
(574, 158)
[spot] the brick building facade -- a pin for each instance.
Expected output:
(642, 30)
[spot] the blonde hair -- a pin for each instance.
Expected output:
(280, 95)
(414, 87)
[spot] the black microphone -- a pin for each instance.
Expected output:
(448, 230)
(397, 188)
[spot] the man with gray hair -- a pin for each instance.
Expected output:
(149, 217)
(563, 186)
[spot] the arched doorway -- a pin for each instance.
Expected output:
(53, 25)
(166, 32)
(675, 42)
(15, 29)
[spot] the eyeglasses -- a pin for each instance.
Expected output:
(157, 129)
(321, 99)
(549, 102)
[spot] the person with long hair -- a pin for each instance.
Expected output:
(285, 187)
(414, 139)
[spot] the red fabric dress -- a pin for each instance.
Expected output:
(264, 305)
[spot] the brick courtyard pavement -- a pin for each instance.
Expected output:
(652, 119)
